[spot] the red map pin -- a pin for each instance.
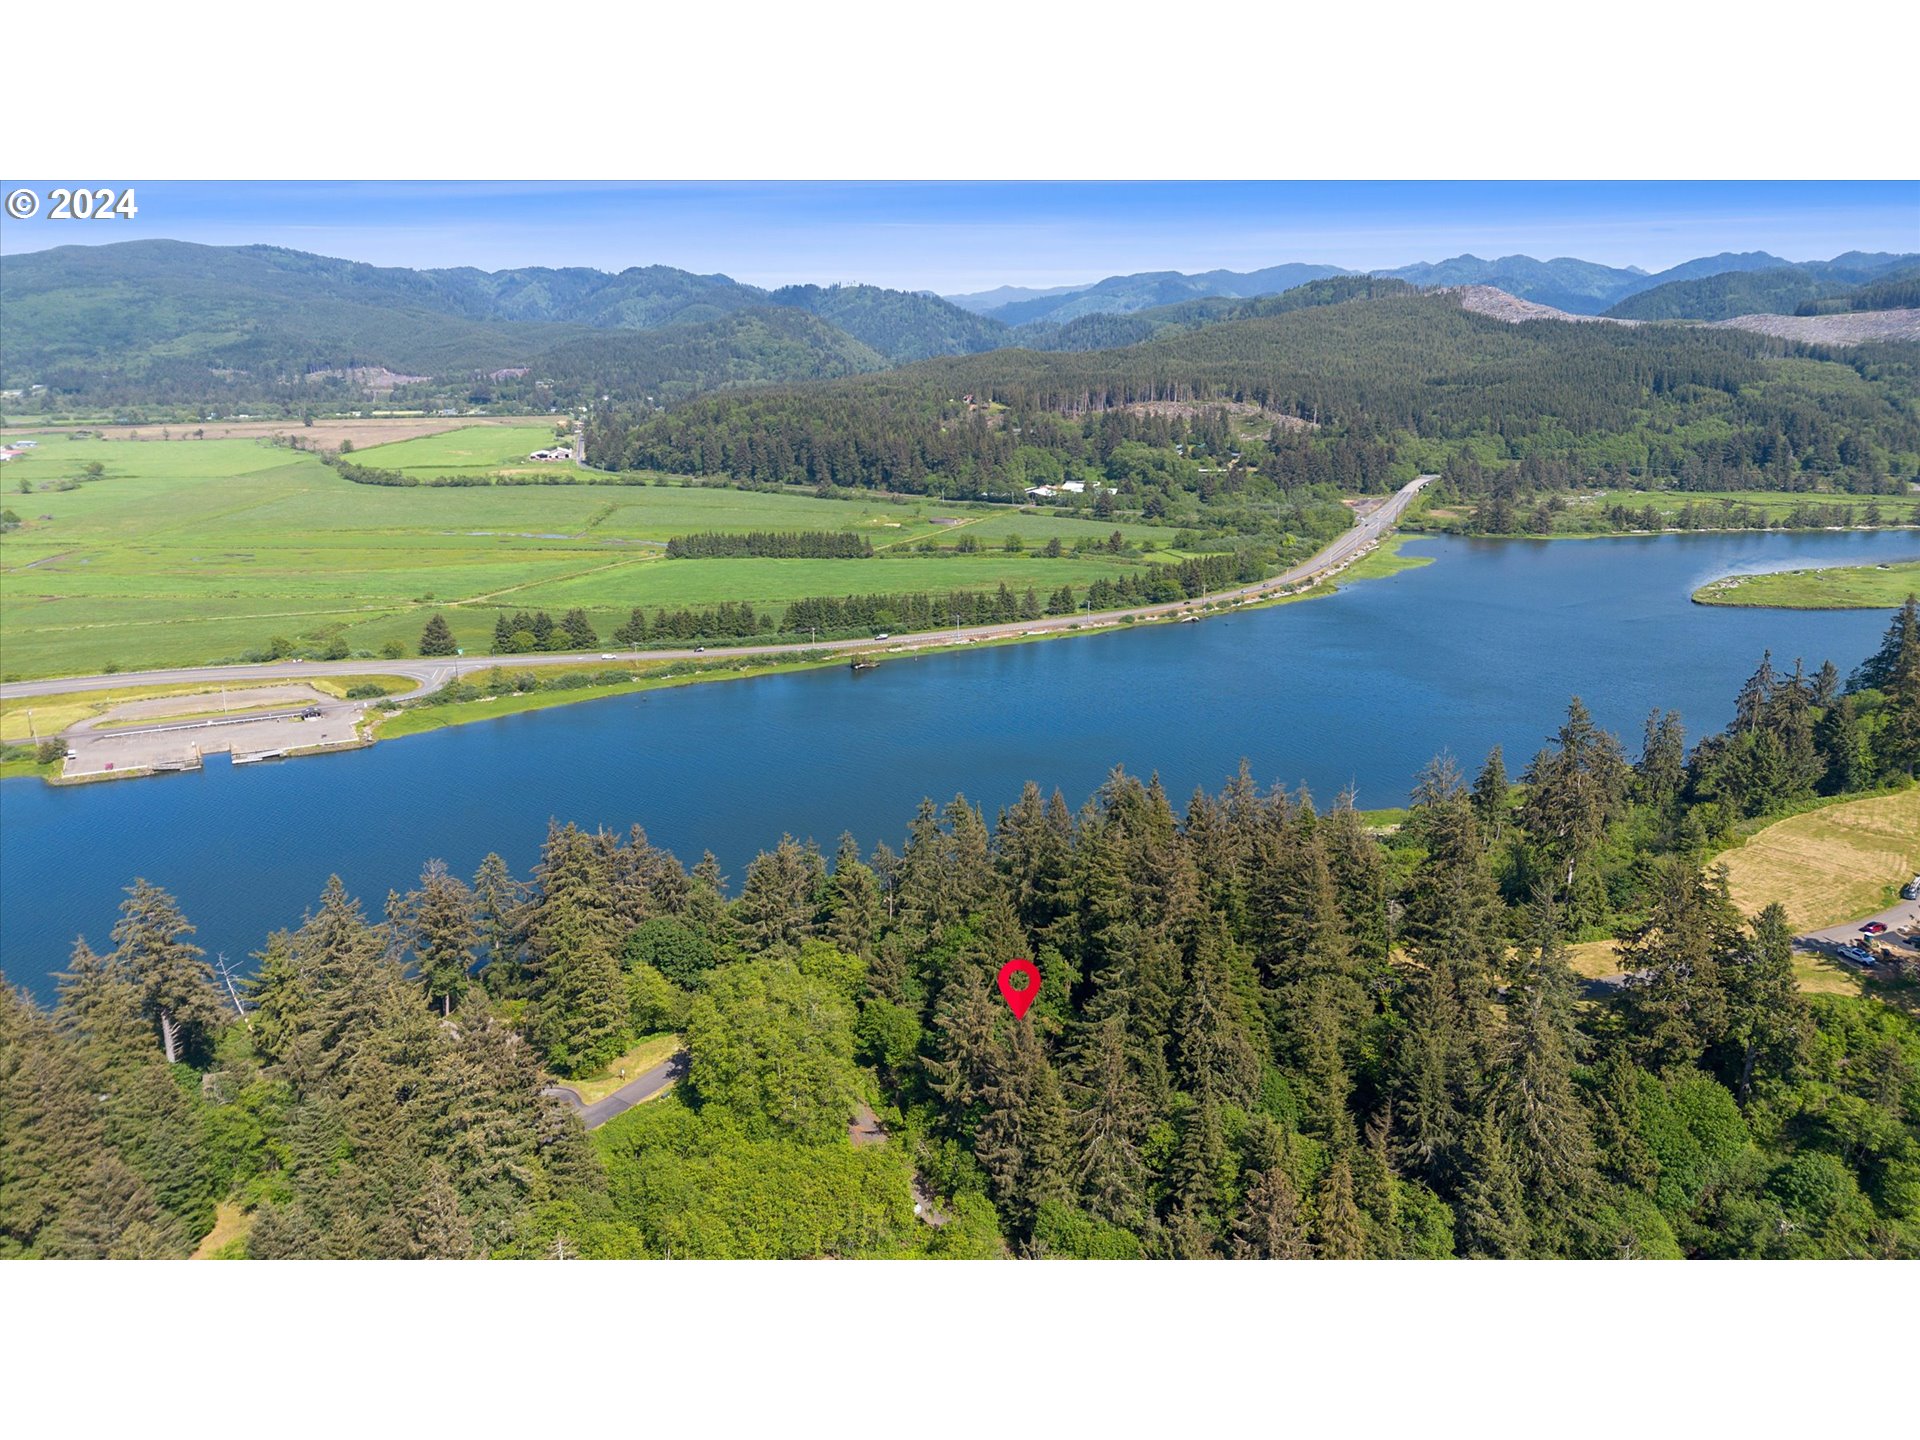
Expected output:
(1019, 1000)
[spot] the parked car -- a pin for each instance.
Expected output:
(1912, 891)
(1873, 927)
(1855, 954)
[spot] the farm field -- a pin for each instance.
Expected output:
(196, 552)
(1839, 587)
(362, 430)
(1832, 864)
(470, 450)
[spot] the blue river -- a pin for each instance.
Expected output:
(1482, 647)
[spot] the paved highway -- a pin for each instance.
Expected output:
(432, 674)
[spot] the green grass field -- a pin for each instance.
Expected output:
(1385, 560)
(1832, 864)
(195, 552)
(474, 450)
(1838, 587)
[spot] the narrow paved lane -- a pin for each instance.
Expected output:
(648, 1085)
(432, 674)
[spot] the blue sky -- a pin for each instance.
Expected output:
(963, 236)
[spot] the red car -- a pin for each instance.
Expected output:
(1873, 927)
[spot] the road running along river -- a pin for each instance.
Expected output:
(1482, 647)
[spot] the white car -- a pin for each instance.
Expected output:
(606, 655)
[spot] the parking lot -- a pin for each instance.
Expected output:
(96, 753)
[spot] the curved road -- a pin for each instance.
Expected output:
(1368, 530)
(645, 1087)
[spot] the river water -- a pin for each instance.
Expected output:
(1482, 647)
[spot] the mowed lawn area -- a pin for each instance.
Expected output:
(1837, 587)
(1831, 865)
(194, 552)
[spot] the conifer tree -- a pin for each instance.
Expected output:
(1217, 1057)
(1551, 1142)
(100, 1004)
(1574, 791)
(1338, 1231)
(581, 1016)
(1493, 799)
(52, 1133)
(437, 638)
(436, 925)
(1270, 1225)
(1619, 1140)
(965, 1022)
(781, 899)
(177, 992)
(1675, 994)
(1767, 1019)
(1109, 1122)
(1491, 1211)
(1022, 1137)
(853, 902)
(500, 913)
(281, 993)
(348, 965)
(1202, 1183)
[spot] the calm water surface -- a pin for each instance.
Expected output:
(1482, 647)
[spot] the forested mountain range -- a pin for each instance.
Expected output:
(195, 327)
(163, 320)
(1778, 290)
(1265, 1030)
(1123, 294)
(1366, 387)
(1577, 286)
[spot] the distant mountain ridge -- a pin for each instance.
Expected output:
(168, 322)
(1776, 290)
(1124, 294)
(1579, 287)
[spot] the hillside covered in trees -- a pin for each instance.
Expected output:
(160, 322)
(1348, 383)
(1265, 1030)
(1782, 290)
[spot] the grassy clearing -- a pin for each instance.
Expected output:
(471, 450)
(1830, 865)
(1383, 561)
(192, 553)
(229, 1233)
(1814, 974)
(1594, 959)
(1837, 587)
(630, 1066)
